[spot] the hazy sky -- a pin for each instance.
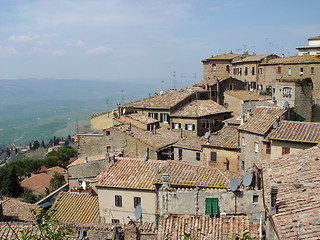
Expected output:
(144, 39)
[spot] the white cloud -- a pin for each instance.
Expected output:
(37, 50)
(98, 51)
(32, 37)
(79, 43)
(8, 50)
(58, 52)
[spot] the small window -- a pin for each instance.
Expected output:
(108, 148)
(259, 70)
(164, 117)
(301, 71)
(198, 156)
(115, 221)
(256, 147)
(289, 71)
(242, 165)
(230, 86)
(253, 71)
(212, 206)
(312, 70)
(107, 133)
(180, 153)
(243, 141)
(206, 124)
(136, 201)
(245, 71)
(118, 200)
(177, 125)
(287, 92)
(213, 157)
(255, 198)
(285, 150)
(227, 68)
(268, 148)
(214, 67)
(190, 127)
(279, 70)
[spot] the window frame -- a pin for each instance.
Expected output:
(212, 206)
(198, 156)
(118, 200)
(256, 147)
(180, 153)
(136, 201)
(213, 157)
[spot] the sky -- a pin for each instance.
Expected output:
(144, 40)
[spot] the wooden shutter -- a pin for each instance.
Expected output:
(156, 116)
(186, 126)
(161, 117)
(193, 127)
(214, 157)
(212, 206)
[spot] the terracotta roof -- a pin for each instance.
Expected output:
(98, 157)
(307, 132)
(37, 183)
(141, 118)
(293, 59)
(254, 58)
(130, 173)
(244, 95)
(58, 170)
(162, 138)
(298, 200)
(72, 207)
(314, 38)
(200, 108)
(266, 103)
(262, 120)
(212, 81)
(139, 174)
(224, 56)
(235, 120)
(191, 142)
(10, 229)
(191, 175)
(218, 228)
(13, 209)
(167, 100)
(42, 169)
(227, 137)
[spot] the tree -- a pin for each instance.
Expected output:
(8, 152)
(42, 144)
(56, 181)
(9, 183)
(36, 145)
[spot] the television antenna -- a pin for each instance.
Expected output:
(174, 79)
(138, 212)
(123, 93)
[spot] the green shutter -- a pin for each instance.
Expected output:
(193, 127)
(156, 116)
(161, 117)
(172, 125)
(212, 206)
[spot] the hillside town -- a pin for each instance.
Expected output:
(236, 153)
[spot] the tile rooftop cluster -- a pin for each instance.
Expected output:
(191, 142)
(200, 108)
(262, 120)
(227, 137)
(71, 207)
(13, 209)
(293, 59)
(166, 100)
(254, 58)
(266, 103)
(235, 120)
(307, 132)
(210, 228)
(141, 118)
(224, 56)
(298, 179)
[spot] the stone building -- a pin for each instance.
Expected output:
(222, 149)
(291, 137)
(198, 117)
(189, 150)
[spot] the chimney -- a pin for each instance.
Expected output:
(154, 130)
(165, 180)
(113, 159)
(274, 192)
(107, 156)
(85, 159)
(282, 55)
(121, 153)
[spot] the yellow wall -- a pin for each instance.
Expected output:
(276, 147)
(109, 211)
(102, 121)
(234, 104)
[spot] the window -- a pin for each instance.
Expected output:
(190, 127)
(213, 157)
(214, 67)
(115, 221)
(153, 115)
(285, 150)
(108, 148)
(260, 87)
(253, 71)
(259, 70)
(118, 200)
(301, 71)
(231, 86)
(268, 148)
(312, 70)
(255, 198)
(136, 201)
(164, 117)
(206, 124)
(242, 165)
(243, 141)
(227, 68)
(107, 133)
(253, 85)
(245, 71)
(180, 153)
(289, 71)
(279, 70)
(198, 156)
(256, 147)
(287, 92)
(212, 206)
(176, 125)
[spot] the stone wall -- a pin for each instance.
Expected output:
(188, 155)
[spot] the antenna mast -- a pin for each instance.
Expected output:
(174, 79)
(123, 93)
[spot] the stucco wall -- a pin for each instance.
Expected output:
(186, 201)
(102, 121)
(276, 147)
(234, 104)
(109, 211)
(188, 155)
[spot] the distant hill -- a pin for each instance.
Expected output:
(32, 109)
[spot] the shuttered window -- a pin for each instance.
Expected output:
(212, 206)
(213, 157)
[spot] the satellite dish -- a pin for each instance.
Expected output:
(138, 212)
(157, 169)
(81, 233)
(124, 111)
(275, 124)
(207, 135)
(247, 180)
(286, 104)
(233, 184)
(112, 112)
